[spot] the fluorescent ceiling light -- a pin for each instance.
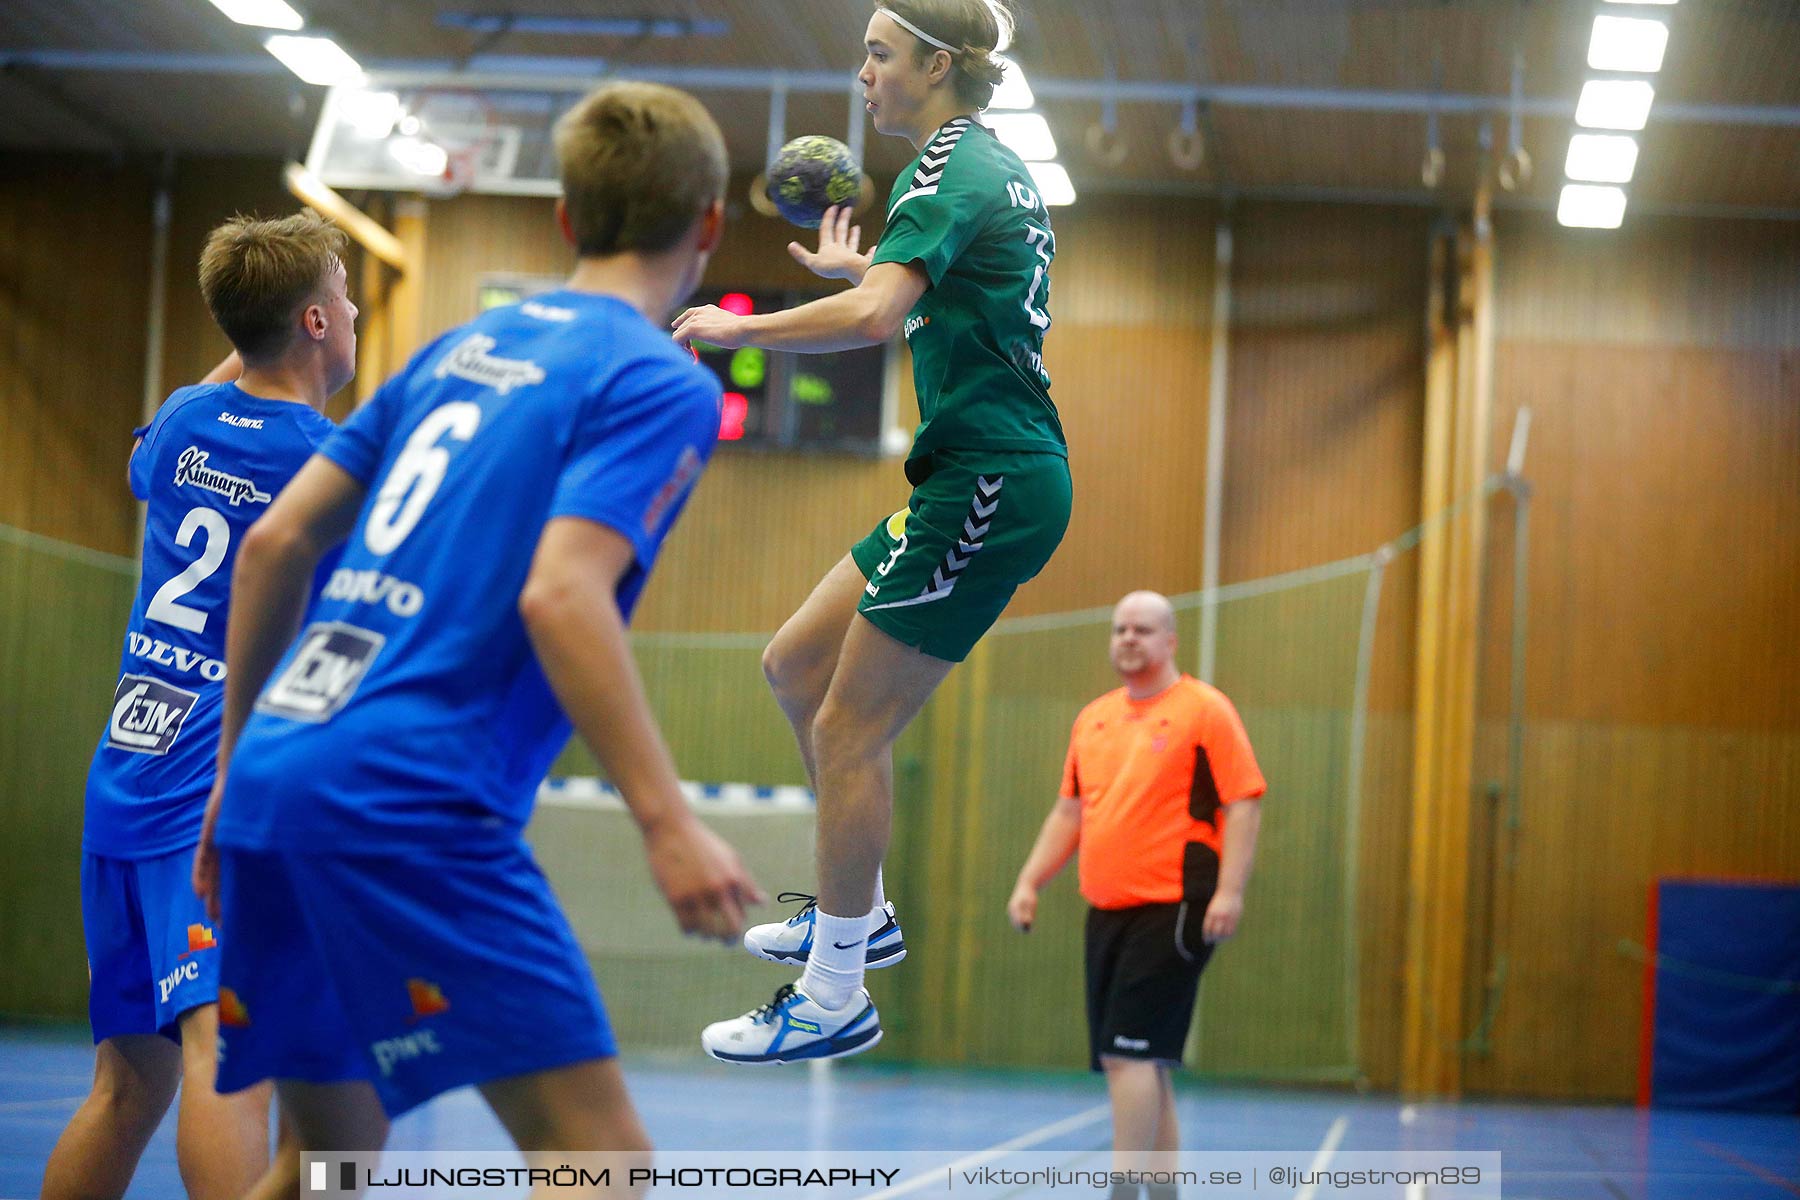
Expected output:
(1640, 1)
(1013, 91)
(425, 158)
(315, 59)
(1586, 206)
(1627, 44)
(1601, 157)
(1003, 20)
(1614, 104)
(268, 14)
(1027, 133)
(371, 114)
(1052, 182)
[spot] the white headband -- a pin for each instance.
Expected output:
(919, 33)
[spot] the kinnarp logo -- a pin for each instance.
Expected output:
(427, 999)
(199, 938)
(232, 1013)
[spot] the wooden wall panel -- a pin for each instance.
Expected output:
(1327, 368)
(1662, 718)
(1323, 457)
(74, 258)
(208, 192)
(1129, 355)
(75, 245)
(1665, 561)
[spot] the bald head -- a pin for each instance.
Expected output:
(1151, 607)
(1143, 640)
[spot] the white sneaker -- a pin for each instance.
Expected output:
(790, 941)
(792, 1028)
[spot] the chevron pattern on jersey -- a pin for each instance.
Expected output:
(982, 507)
(932, 160)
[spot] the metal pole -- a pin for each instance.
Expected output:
(156, 317)
(1215, 449)
(1359, 734)
(857, 131)
(1515, 749)
(156, 320)
(778, 94)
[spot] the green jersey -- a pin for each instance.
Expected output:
(967, 212)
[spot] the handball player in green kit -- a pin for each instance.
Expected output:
(963, 270)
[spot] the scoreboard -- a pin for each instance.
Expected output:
(774, 400)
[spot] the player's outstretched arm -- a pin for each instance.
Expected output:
(836, 257)
(1056, 841)
(575, 626)
(866, 315)
(269, 585)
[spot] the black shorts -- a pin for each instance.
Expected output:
(1143, 970)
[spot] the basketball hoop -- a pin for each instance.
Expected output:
(460, 165)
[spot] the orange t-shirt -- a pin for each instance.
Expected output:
(1152, 775)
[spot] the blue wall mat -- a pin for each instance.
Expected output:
(1727, 996)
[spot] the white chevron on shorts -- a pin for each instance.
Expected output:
(943, 580)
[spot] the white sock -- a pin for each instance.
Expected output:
(834, 968)
(880, 894)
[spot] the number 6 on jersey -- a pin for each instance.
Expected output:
(417, 474)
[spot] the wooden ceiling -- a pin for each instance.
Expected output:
(1339, 108)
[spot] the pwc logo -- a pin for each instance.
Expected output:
(427, 1000)
(199, 938)
(232, 1013)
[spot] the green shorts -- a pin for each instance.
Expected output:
(942, 569)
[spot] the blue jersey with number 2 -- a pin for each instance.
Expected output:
(208, 466)
(412, 709)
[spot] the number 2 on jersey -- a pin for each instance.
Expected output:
(417, 474)
(165, 606)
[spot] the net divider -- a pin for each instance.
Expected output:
(69, 550)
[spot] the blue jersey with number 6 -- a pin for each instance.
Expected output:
(412, 709)
(208, 466)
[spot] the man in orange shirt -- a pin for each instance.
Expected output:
(1160, 792)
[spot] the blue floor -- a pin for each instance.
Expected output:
(1551, 1152)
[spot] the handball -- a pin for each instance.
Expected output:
(810, 175)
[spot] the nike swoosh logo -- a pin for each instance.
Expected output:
(845, 945)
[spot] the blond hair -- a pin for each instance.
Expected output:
(256, 275)
(973, 25)
(639, 162)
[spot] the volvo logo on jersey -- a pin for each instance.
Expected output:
(331, 661)
(147, 715)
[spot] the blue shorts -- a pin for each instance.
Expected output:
(417, 974)
(151, 952)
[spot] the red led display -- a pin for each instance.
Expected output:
(733, 410)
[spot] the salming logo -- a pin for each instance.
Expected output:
(931, 161)
(982, 507)
(191, 471)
